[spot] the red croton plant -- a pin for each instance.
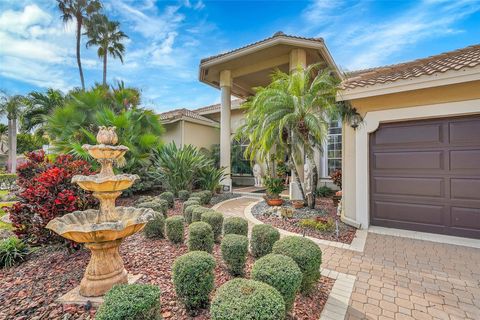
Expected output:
(46, 192)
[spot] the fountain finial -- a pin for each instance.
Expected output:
(107, 135)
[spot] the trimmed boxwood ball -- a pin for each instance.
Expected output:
(306, 254)
(155, 227)
(235, 225)
(183, 195)
(263, 238)
(143, 199)
(157, 205)
(200, 237)
(188, 213)
(131, 301)
(188, 203)
(215, 220)
(234, 253)
(193, 279)
(195, 199)
(169, 196)
(174, 229)
(204, 197)
(207, 195)
(198, 212)
(241, 299)
(282, 273)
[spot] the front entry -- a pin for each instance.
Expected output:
(425, 176)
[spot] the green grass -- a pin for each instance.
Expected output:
(3, 225)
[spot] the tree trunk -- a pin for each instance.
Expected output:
(311, 159)
(9, 161)
(105, 68)
(79, 62)
(293, 167)
(12, 145)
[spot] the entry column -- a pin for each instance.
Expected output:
(225, 128)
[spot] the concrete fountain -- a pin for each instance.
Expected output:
(103, 230)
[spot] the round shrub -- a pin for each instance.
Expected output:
(200, 237)
(131, 301)
(234, 253)
(157, 205)
(263, 238)
(155, 227)
(215, 220)
(188, 203)
(183, 195)
(196, 199)
(207, 194)
(240, 299)
(188, 213)
(169, 196)
(306, 254)
(204, 197)
(143, 199)
(282, 273)
(193, 279)
(197, 213)
(174, 229)
(235, 225)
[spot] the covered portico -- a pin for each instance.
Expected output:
(237, 72)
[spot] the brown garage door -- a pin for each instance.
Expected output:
(425, 176)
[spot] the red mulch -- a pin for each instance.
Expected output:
(29, 291)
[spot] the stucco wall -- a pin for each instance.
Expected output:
(173, 132)
(444, 94)
(236, 118)
(201, 136)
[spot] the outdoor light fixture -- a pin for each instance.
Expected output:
(356, 120)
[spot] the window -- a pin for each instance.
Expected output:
(334, 147)
(240, 165)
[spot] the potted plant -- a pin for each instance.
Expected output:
(336, 177)
(274, 186)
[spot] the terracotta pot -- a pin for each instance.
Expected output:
(298, 204)
(275, 202)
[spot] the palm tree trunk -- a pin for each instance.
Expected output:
(293, 167)
(79, 62)
(105, 68)
(9, 161)
(14, 145)
(311, 159)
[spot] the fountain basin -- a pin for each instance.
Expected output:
(81, 226)
(102, 183)
(103, 151)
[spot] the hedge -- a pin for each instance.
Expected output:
(282, 273)
(188, 213)
(189, 203)
(174, 229)
(197, 213)
(263, 238)
(306, 254)
(131, 301)
(7, 180)
(241, 299)
(235, 225)
(200, 237)
(205, 196)
(155, 227)
(193, 278)
(215, 220)
(234, 253)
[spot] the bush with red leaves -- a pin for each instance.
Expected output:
(46, 192)
(336, 177)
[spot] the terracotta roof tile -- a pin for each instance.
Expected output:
(178, 113)
(216, 107)
(276, 35)
(454, 60)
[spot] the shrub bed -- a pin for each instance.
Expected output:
(158, 205)
(282, 273)
(193, 279)
(189, 203)
(131, 301)
(188, 213)
(200, 237)
(235, 225)
(234, 253)
(155, 227)
(215, 220)
(205, 196)
(198, 199)
(183, 195)
(174, 229)
(169, 197)
(263, 238)
(198, 212)
(241, 299)
(306, 254)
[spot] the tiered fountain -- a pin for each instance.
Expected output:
(103, 230)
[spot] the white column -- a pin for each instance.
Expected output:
(225, 128)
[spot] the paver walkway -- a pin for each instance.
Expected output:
(401, 278)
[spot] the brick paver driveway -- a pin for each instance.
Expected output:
(400, 278)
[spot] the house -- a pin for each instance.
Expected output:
(414, 162)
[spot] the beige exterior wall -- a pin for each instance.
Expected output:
(173, 132)
(201, 136)
(423, 97)
(236, 118)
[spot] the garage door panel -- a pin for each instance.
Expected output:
(418, 187)
(410, 212)
(409, 134)
(465, 159)
(465, 131)
(466, 188)
(408, 160)
(467, 218)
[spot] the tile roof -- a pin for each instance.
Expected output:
(216, 107)
(179, 113)
(454, 60)
(278, 34)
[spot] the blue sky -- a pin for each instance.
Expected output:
(168, 39)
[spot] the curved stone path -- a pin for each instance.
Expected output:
(401, 278)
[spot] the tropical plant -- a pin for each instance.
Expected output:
(12, 250)
(39, 106)
(27, 142)
(81, 11)
(12, 107)
(3, 137)
(209, 177)
(290, 115)
(336, 177)
(107, 36)
(273, 186)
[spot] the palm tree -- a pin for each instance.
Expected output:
(291, 115)
(39, 106)
(107, 36)
(81, 10)
(12, 107)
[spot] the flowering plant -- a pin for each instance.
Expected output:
(46, 192)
